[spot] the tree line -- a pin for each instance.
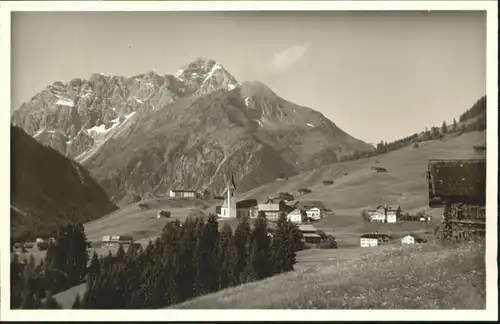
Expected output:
(187, 260)
(434, 133)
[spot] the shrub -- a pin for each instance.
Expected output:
(328, 243)
(416, 146)
(365, 216)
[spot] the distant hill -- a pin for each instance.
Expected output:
(48, 189)
(145, 134)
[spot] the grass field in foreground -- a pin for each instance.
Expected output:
(423, 276)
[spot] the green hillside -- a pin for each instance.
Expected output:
(404, 184)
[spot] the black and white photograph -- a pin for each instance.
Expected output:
(173, 156)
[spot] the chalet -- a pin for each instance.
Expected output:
(385, 214)
(113, 240)
(425, 218)
(282, 177)
(393, 213)
(309, 234)
(373, 239)
(314, 213)
(282, 196)
(203, 194)
(297, 215)
(181, 193)
(247, 208)
(412, 239)
(377, 214)
(271, 211)
(378, 169)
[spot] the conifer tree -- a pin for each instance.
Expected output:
(227, 257)
(206, 256)
(120, 254)
(241, 241)
(280, 245)
(455, 125)
(186, 266)
(444, 128)
(259, 265)
(94, 268)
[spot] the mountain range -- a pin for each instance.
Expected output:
(146, 134)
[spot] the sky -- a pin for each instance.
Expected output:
(377, 75)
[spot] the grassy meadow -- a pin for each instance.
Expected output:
(423, 276)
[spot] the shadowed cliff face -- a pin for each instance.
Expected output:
(148, 133)
(47, 189)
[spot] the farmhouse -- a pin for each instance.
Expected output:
(314, 213)
(182, 193)
(247, 208)
(426, 218)
(271, 211)
(412, 239)
(377, 214)
(373, 239)
(385, 214)
(297, 215)
(203, 194)
(113, 240)
(309, 234)
(378, 169)
(393, 213)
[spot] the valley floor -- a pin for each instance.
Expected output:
(391, 276)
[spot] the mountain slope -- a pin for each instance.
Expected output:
(357, 187)
(148, 133)
(47, 189)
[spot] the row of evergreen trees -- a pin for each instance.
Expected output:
(433, 133)
(64, 266)
(188, 259)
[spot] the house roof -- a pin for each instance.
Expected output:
(458, 178)
(183, 190)
(416, 237)
(269, 207)
(374, 236)
(306, 227)
(311, 235)
(247, 203)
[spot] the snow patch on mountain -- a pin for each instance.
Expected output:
(40, 131)
(310, 125)
(65, 102)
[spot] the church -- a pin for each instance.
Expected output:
(228, 208)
